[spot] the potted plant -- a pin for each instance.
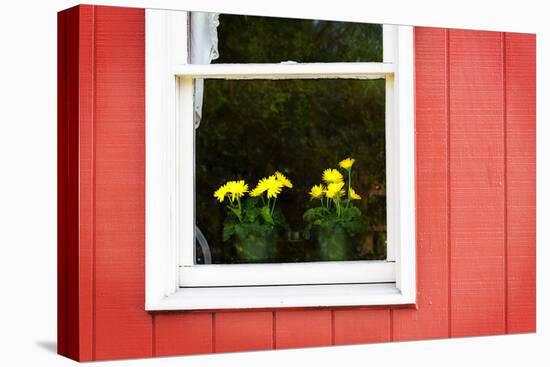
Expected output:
(252, 222)
(336, 221)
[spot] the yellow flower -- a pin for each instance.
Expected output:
(317, 191)
(237, 189)
(260, 187)
(221, 192)
(256, 191)
(269, 184)
(282, 179)
(353, 194)
(334, 188)
(274, 187)
(332, 176)
(347, 163)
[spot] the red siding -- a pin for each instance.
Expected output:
(477, 183)
(520, 143)
(119, 145)
(183, 333)
(75, 184)
(432, 191)
(228, 331)
(303, 328)
(362, 326)
(475, 191)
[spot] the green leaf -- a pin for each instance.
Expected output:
(241, 230)
(228, 231)
(236, 211)
(354, 226)
(266, 215)
(251, 214)
(314, 214)
(250, 202)
(350, 213)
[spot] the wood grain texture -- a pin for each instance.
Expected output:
(86, 183)
(477, 183)
(361, 326)
(430, 320)
(303, 328)
(123, 329)
(475, 194)
(243, 331)
(183, 333)
(520, 82)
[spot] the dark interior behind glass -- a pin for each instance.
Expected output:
(251, 128)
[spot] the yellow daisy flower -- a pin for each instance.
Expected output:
(221, 192)
(274, 187)
(260, 187)
(237, 189)
(332, 176)
(269, 184)
(353, 194)
(317, 191)
(256, 192)
(334, 188)
(281, 178)
(347, 163)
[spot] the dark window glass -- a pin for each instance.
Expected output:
(252, 128)
(252, 39)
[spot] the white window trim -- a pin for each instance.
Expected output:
(173, 282)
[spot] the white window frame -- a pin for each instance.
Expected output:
(173, 281)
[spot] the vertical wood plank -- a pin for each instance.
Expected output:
(430, 320)
(361, 326)
(86, 181)
(477, 183)
(64, 292)
(75, 112)
(520, 81)
(183, 333)
(123, 328)
(303, 328)
(243, 331)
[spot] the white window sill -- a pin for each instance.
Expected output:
(323, 272)
(336, 295)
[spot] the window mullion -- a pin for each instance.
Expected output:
(367, 70)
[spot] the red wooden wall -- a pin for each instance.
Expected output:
(475, 188)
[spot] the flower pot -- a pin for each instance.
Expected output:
(334, 243)
(254, 247)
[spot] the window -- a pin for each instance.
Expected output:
(289, 96)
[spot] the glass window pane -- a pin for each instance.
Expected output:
(253, 39)
(252, 128)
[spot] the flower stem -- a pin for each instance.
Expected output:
(240, 209)
(273, 207)
(349, 187)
